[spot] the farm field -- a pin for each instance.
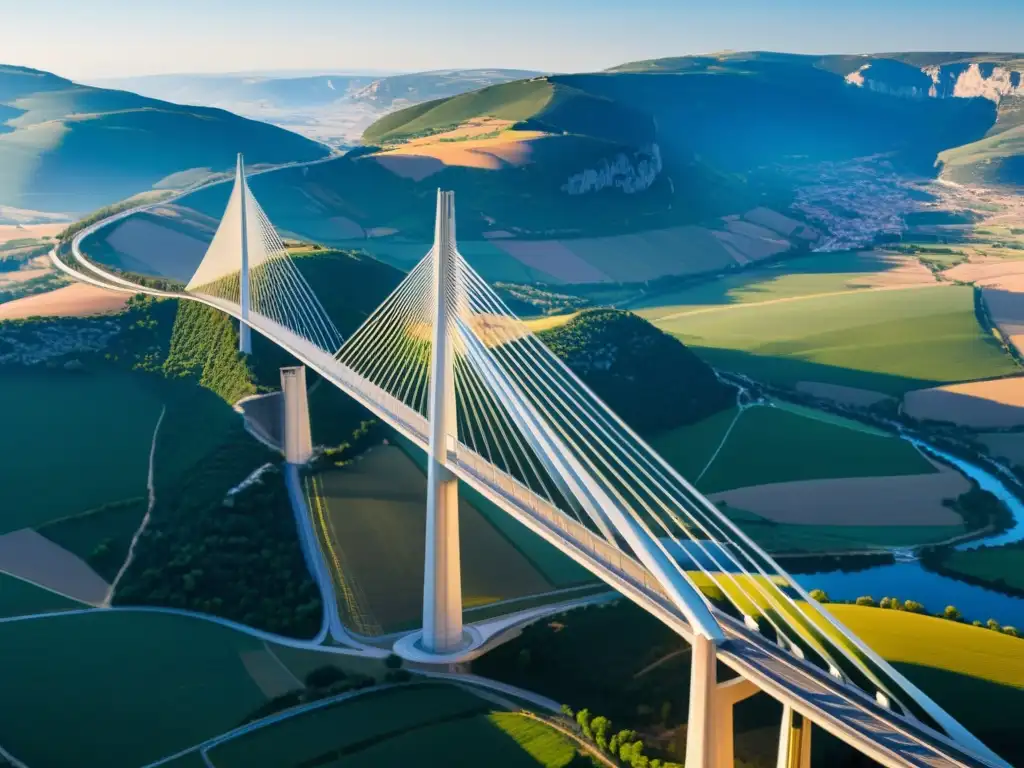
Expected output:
(975, 674)
(798, 277)
(379, 501)
(775, 445)
(62, 457)
(888, 342)
(990, 564)
(509, 740)
(976, 405)
(152, 669)
(801, 480)
(100, 537)
(20, 598)
(347, 726)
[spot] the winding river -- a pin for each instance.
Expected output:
(908, 580)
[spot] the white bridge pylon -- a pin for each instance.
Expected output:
(448, 365)
(247, 265)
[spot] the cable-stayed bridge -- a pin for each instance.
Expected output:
(443, 361)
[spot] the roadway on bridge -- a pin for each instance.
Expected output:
(841, 709)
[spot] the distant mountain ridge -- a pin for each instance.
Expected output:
(73, 148)
(329, 107)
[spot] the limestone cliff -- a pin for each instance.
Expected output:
(633, 172)
(960, 80)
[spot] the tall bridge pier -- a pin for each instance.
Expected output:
(296, 435)
(442, 575)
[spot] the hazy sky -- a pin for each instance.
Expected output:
(106, 38)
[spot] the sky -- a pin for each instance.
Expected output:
(89, 39)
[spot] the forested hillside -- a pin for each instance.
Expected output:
(646, 376)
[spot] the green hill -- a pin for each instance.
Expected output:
(71, 148)
(542, 103)
(646, 376)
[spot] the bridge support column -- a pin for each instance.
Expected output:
(296, 436)
(700, 725)
(244, 331)
(442, 578)
(794, 740)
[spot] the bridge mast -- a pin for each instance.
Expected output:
(442, 578)
(244, 332)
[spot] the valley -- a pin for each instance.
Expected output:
(798, 278)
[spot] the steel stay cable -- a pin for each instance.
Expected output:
(770, 595)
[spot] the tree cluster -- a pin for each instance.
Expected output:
(646, 376)
(237, 557)
(321, 683)
(625, 744)
(950, 612)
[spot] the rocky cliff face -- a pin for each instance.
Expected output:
(963, 80)
(631, 173)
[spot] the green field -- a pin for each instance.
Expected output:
(131, 687)
(885, 341)
(347, 726)
(801, 276)
(101, 537)
(72, 441)
(775, 445)
(995, 565)
(975, 674)
(501, 739)
(776, 537)
(20, 598)
(380, 501)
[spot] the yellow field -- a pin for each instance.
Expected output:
(928, 641)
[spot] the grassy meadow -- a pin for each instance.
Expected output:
(101, 537)
(347, 726)
(796, 277)
(975, 674)
(20, 598)
(884, 341)
(509, 740)
(72, 441)
(380, 501)
(437, 723)
(162, 682)
(990, 564)
(774, 445)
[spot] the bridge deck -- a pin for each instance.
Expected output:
(843, 710)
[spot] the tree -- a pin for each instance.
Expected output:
(599, 727)
(912, 606)
(1011, 631)
(887, 602)
(583, 719)
(567, 711)
(819, 595)
(977, 623)
(993, 625)
(321, 677)
(866, 600)
(952, 613)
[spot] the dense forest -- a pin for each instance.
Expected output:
(646, 376)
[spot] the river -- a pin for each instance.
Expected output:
(908, 580)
